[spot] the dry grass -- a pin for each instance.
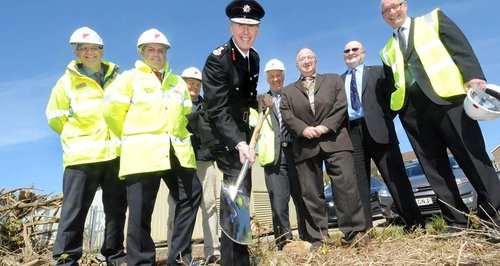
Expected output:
(390, 246)
(22, 242)
(465, 248)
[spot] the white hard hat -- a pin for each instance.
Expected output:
(85, 35)
(152, 36)
(481, 105)
(274, 64)
(191, 72)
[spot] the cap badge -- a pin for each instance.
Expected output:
(246, 8)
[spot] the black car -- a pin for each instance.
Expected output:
(375, 185)
(424, 195)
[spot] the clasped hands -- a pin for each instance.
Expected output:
(314, 132)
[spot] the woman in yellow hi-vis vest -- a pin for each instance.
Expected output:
(90, 151)
(147, 107)
(432, 65)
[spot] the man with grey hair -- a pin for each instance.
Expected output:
(276, 156)
(314, 109)
(430, 64)
(230, 78)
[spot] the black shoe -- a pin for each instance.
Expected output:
(198, 262)
(213, 259)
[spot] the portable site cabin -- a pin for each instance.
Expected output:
(260, 209)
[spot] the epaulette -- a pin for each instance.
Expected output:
(220, 50)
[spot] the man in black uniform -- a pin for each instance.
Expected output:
(230, 88)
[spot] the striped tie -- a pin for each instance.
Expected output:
(285, 136)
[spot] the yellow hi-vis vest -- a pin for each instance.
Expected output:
(74, 111)
(181, 140)
(266, 139)
(444, 75)
(146, 113)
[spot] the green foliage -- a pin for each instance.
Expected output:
(435, 225)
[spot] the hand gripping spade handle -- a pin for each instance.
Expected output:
(233, 190)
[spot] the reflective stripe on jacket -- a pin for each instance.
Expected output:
(181, 141)
(74, 111)
(444, 75)
(146, 114)
(266, 139)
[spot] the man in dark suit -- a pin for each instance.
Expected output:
(276, 156)
(230, 88)
(433, 65)
(314, 109)
(374, 137)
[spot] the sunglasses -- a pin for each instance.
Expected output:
(346, 51)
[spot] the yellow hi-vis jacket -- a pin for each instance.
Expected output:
(147, 114)
(444, 75)
(266, 139)
(74, 111)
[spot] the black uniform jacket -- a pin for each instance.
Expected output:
(230, 89)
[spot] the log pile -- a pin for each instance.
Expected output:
(27, 223)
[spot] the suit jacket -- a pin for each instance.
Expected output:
(273, 120)
(375, 98)
(330, 111)
(461, 53)
(230, 89)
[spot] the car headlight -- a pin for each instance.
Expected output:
(384, 192)
(461, 180)
(468, 200)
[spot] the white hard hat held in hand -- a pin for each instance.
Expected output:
(483, 105)
(85, 35)
(191, 72)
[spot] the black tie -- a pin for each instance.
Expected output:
(283, 130)
(355, 102)
(98, 79)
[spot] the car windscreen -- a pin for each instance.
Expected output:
(413, 169)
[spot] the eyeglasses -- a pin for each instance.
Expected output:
(89, 49)
(308, 57)
(394, 8)
(355, 49)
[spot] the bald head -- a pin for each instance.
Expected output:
(354, 54)
(306, 62)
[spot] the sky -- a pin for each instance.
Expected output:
(38, 33)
